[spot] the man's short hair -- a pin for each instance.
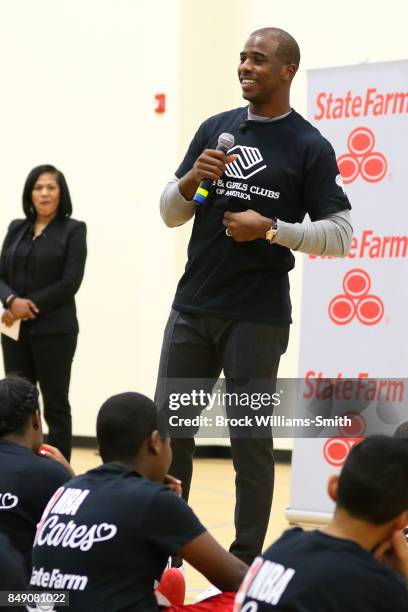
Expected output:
(288, 51)
(373, 484)
(124, 422)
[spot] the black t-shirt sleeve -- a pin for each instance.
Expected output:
(170, 523)
(197, 145)
(393, 591)
(323, 192)
(401, 599)
(52, 476)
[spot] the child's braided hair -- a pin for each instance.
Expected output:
(18, 401)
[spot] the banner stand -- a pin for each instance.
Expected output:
(353, 319)
(299, 517)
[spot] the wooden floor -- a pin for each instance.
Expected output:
(212, 498)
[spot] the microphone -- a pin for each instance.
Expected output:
(244, 127)
(206, 187)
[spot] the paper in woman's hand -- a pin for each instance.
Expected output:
(13, 330)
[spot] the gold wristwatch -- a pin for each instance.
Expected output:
(270, 234)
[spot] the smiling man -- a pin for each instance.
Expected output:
(232, 307)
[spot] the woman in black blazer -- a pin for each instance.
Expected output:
(41, 268)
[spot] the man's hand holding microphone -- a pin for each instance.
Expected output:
(200, 181)
(209, 167)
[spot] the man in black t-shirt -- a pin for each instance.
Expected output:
(359, 562)
(232, 306)
(106, 536)
(27, 480)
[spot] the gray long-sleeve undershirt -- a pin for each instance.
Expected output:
(330, 236)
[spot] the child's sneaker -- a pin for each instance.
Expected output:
(171, 590)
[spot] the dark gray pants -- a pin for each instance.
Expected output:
(46, 360)
(199, 347)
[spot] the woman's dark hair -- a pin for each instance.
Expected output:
(18, 401)
(65, 205)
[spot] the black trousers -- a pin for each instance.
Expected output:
(46, 359)
(199, 347)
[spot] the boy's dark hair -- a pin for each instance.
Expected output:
(402, 430)
(65, 204)
(18, 401)
(373, 484)
(123, 424)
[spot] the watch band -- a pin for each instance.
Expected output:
(9, 300)
(270, 234)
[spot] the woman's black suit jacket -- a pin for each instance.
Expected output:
(58, 270)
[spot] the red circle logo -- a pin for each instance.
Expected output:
(356, 283)
(373, 167)
(361, 158)
(349, 168)
(336, 450)
(356, 301)
(342, 309)
(357, 426)
(370, 310)
(361, 141)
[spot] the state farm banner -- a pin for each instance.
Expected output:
(354, 310)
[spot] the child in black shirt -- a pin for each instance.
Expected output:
(106, 536)
(359, 562)
(27, 480)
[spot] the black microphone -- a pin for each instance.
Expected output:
(205, 188)
(244, 127)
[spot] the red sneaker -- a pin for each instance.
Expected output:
(172, 588)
